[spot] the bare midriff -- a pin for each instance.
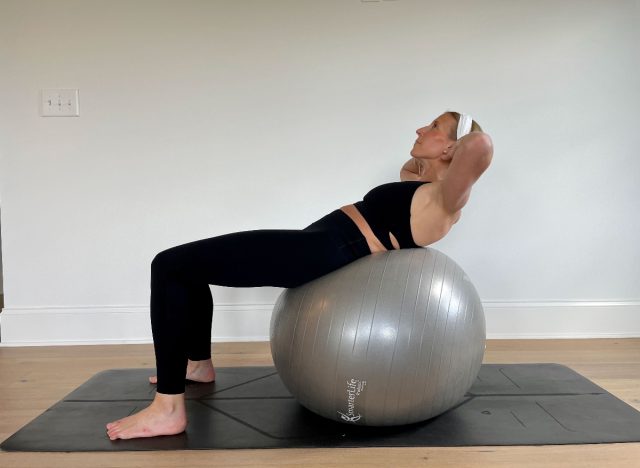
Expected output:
(374, 243)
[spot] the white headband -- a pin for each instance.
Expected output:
(464, 125)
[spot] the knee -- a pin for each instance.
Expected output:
(162, 261)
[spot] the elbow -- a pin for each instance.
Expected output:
(486, 147)
(482, 149)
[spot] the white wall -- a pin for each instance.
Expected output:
(199, 118)
(1, 285)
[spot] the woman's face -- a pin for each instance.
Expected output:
(434, 138)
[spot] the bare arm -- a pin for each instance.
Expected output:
(471, 157)
(411, 170)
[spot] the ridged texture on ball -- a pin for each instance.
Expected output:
(392, 338)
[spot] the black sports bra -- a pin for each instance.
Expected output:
(387, 209)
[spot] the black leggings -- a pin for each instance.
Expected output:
(181, 303)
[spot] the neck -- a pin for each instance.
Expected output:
(436, 170)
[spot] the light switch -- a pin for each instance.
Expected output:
(60, 103)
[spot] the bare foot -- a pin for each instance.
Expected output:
(166, 415)
(198, 371)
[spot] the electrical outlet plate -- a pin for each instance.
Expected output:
(60, 103)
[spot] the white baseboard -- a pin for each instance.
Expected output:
(568, 320)
(52, 326)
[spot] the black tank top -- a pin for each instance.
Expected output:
(387, 208)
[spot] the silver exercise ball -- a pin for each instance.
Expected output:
(392, 338)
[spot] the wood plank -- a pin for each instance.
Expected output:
(34, 378)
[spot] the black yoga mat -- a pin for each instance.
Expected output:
(249, 407)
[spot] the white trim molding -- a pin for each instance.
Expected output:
(562, 319)
(51, 326)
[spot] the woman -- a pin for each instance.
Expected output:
(448, 156)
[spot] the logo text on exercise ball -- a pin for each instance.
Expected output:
(354, 388)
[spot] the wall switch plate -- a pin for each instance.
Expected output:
(60, 103)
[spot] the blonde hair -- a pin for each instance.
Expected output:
(475, 126)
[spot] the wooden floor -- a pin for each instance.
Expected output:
(34, 378)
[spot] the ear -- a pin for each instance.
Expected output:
(448, 152)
